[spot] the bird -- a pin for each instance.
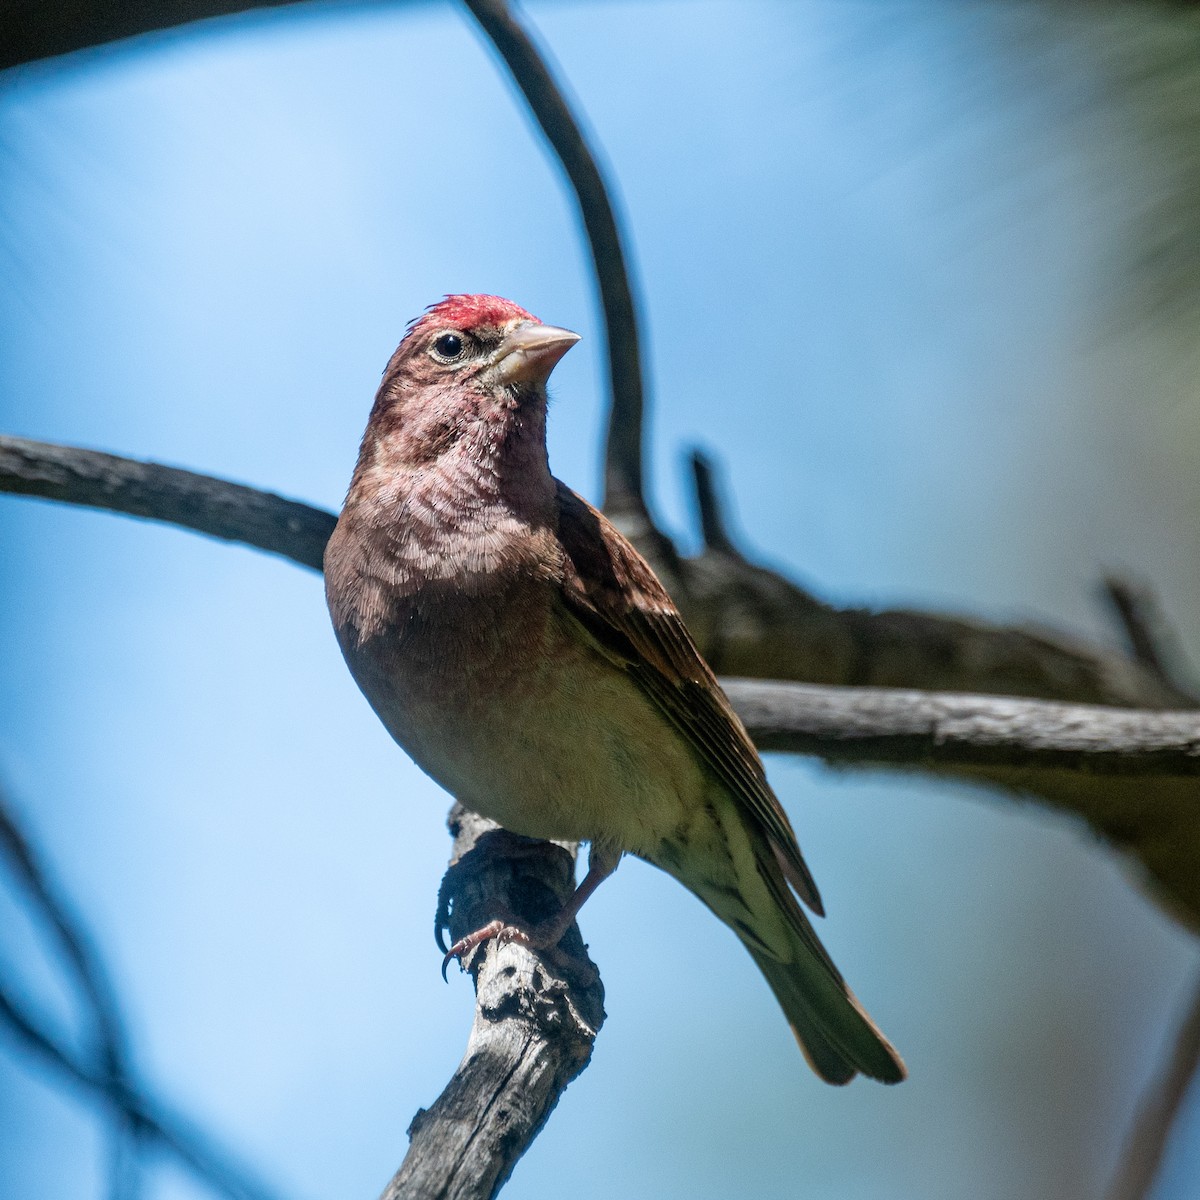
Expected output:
(527, 658)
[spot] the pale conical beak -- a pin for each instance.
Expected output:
(530, 352)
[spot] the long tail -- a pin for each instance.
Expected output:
(836, 1035)
(751, 896)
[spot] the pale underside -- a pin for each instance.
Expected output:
(581, 754)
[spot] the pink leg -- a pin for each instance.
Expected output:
(602, 862)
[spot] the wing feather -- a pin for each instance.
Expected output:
(611, 590)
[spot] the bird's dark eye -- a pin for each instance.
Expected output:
(449, 345)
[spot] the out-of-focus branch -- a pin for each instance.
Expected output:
(753, 621)
(624, 498)
(88, 971)
(176, 1136)
(141, 489)
(37, 29)
(536, 1018)
(1143, 1154)
(1136, 608)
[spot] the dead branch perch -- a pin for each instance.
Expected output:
(536, 1018)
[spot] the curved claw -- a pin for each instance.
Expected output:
(465, 945)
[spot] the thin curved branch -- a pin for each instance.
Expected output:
(141, 489)
(1143, 1155)
(182, 1141)
(623, 479)
(91, 978)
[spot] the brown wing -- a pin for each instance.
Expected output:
(611, 590)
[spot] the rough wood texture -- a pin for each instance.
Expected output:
(911, 728)
(536, 1017)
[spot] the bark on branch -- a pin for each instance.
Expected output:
(947, 729)
(536, 1017)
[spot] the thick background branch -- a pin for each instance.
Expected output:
(939, 729)
(1158, 822)
(140, 489)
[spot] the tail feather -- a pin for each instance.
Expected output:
(731, 867)
(837, 1037)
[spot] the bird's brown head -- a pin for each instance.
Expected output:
(469, 367)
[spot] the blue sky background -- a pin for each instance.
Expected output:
(884, 251)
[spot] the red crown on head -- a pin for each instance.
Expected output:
(474, 312)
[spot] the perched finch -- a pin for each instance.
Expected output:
(526, 656)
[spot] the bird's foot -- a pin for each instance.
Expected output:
(544, 937)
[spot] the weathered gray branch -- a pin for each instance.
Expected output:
(536, 1017)
(877, 726)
